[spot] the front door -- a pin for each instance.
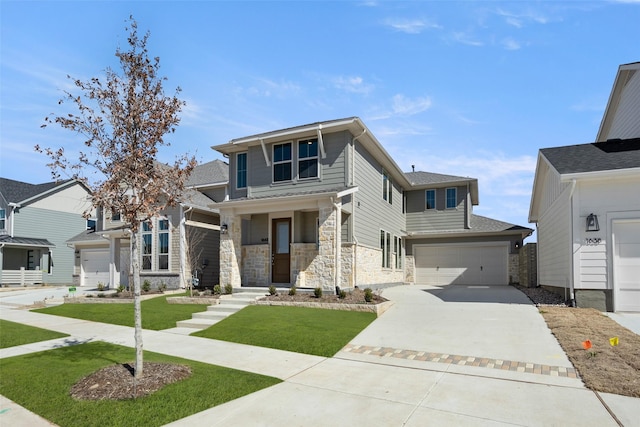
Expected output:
(280, 244)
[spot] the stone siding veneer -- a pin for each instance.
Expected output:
(255, 265)
(230, 251)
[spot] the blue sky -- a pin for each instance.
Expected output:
(461, 88)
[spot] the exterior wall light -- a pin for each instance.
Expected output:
(592, 223)
(223, 229)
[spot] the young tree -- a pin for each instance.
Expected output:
(124, 118)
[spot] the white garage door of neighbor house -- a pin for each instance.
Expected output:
(461, 265)
(95, 267)
(626, 265)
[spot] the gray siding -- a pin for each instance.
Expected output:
(421, 219)
(259, 175)
(57, 227)
(371, 213)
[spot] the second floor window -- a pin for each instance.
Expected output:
(241, 165)
(308, 159)
(431, 199)
(163, 244)
(282, 162)
(387, 187)
(3, 219)
(452, 199)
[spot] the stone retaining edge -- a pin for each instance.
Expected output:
(378, 309)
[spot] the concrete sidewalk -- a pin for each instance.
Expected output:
(438, 357)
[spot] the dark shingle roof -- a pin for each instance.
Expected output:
(598, 156)
(18, 191)
(482, 223)
(427, 178)
(212, 172)
(25, 241)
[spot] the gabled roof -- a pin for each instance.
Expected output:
(19, 192)
(424, 180)
(210, 174)
(595, 157)
(623, 77)
(25, 241)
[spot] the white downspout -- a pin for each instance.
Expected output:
(572, 299)
(353, 210)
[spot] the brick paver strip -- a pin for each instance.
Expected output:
(503, 365)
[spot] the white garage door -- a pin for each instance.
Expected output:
(626, 265)
(95, 267)
(461, 265)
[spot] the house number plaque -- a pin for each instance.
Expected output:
(593, 241)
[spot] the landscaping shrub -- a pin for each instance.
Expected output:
(100, 286)
(317, 292)
(342, 294)
(228, 289)
(217, 290)
(120, 289)
(146, 286)
(272, 290)
(368, 295)
(292, 291)
(162, 287)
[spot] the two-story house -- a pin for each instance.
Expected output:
(36, 220)
(179, 244)
(324, 205)
(586, 207)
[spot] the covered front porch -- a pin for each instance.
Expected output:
(287, 241)
(25, 260)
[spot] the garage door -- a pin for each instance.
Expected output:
(626, 265)
(95, 267)
(461, 265)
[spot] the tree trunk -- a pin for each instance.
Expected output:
(137, 311)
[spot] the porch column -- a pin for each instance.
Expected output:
(230, 250)
(114, 263)
(328, 249)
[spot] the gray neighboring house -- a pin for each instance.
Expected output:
(179, 244)
(586, 207)
(324, 205)
(36, 220)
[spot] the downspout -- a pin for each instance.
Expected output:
(352, 179)
(572, 299)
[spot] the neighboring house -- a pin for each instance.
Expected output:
(586, 206)
(179, 244)
(324, 205)
(35, 223)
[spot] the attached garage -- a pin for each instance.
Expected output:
(626, 265)
(462, 264)
(94, 267)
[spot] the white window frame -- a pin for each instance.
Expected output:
(308, 158)
(385, 247)
(446, 198)
(3, 219)
(162, 254)
(426, 199)
(275, 163)
(144, 255)
(387, 187)
(245, 171)
(397, 248)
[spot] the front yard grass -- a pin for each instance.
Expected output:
(157, 314)
(299, 329)
(41, 383)
(12, 334)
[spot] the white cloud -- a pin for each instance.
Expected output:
(411, 26)
(403, 106)
(352, 84)
(518, 19)
(511, 44)
(464, 38)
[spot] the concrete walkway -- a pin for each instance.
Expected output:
(452, 356)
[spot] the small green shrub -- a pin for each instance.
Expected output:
(228, 289)
(272, 290)
(368, 295)
(342, 294)
(100, 286)
(317, 292)
(207, 293)
(146, 286)
(195, 293)
(162, 287)
(217, 290)
(120, 289)
(100, 295)
(292, 291)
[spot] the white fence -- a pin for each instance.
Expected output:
(21, 277)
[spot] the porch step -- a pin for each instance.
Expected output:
(229, 304)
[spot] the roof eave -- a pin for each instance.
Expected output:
(603, 174)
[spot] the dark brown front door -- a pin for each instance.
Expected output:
(280, 259)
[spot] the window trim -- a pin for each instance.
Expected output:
(426, 199)
(385, 247)
(281, 162)
(143, 234)
(154, 233)
(446, 198)
(308, 158)
(387, 187)
(3, 219)
(168, 253)
(246, 170)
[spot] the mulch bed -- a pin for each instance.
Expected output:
(116, 382)
(356, 296)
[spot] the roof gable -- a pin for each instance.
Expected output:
(211, 173)
(18, 191)
(595, 157)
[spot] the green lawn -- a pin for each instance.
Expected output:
(299, 329)
(41, 382)
(12, 334)
(157, 314)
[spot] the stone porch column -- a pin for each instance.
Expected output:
(329, 246)
(230, 250)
